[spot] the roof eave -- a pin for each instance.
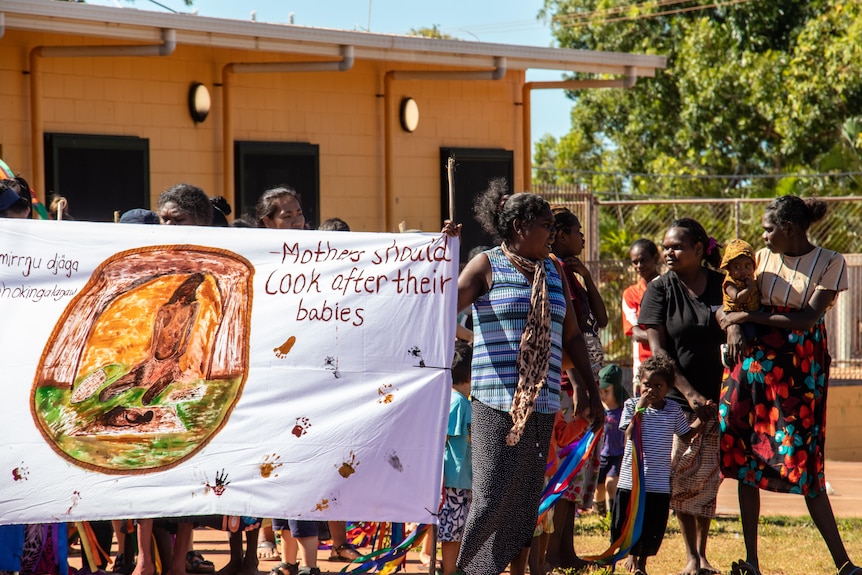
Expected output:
(132, 25)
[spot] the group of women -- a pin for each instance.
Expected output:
(765, 426)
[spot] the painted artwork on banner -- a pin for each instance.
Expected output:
(129, 381)
(182, 371)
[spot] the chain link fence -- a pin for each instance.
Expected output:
(611, 226)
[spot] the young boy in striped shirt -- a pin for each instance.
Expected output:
(660, 420)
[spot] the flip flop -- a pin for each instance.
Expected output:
(743, 567)
(195, 563)
(345, 553)
(285, 569)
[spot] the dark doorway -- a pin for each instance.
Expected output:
(474, 168)
(264, 165)
(98, 175)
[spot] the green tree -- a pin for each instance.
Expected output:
(751, 88)
(431, 32)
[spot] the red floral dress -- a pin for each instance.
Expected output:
(772, 411)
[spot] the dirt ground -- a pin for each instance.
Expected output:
(845, 479)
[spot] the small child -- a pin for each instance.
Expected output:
(457, 466)
(660, 420)
(613, 395)
(740, 286)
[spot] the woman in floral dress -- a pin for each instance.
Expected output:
(773, 405)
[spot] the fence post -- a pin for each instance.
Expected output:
(593, 210)
(738, 223)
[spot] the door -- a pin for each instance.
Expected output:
(264, 165)
(474, 168)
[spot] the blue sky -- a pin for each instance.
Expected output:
(500, 21)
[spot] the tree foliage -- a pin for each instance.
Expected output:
(750, 88)
(431, 32)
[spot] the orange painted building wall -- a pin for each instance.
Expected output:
(843, 424)
(342, 112)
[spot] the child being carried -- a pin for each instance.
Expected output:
(739, 288)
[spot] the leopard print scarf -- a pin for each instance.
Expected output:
(535, 349)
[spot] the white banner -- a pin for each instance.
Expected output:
(155, 371)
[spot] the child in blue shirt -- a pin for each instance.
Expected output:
(457, 466)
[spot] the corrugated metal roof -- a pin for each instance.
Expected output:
(132, 25)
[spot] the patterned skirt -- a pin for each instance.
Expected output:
(507, 486)
(773, 412)
(694, 476)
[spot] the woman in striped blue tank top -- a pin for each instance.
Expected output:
(523, 323)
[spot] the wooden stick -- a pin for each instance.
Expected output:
(450, 171)
(61, 207)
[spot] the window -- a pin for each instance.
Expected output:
(98, 175)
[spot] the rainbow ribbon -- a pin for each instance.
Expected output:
(6, 172)
(575, 455)
(359, 534)
(38, 207)
(391, 559)
(631, 530)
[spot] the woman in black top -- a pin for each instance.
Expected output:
(678, 310)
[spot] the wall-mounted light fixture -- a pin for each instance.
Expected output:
(409, 114)
(199, 102)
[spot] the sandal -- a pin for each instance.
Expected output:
(195, 563)
(345, 553)
(743, 567)
(285, 569)
(124, 565)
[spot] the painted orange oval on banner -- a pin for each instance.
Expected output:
(147, 362)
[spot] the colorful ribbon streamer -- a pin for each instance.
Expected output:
(633, 525)
(38, 207)
(576, 454)
(391, 559)
(361, 534)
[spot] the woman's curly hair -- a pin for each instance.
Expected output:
(787, 210)
(496, 209)
(191, 201)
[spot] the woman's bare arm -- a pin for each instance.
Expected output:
(803, 319)
(474, 281)
(575, 346)
(597, 304)
(699, 404)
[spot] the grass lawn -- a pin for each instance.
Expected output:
(788, 545)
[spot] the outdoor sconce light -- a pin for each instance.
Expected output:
(199, 102)
(409, 114)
